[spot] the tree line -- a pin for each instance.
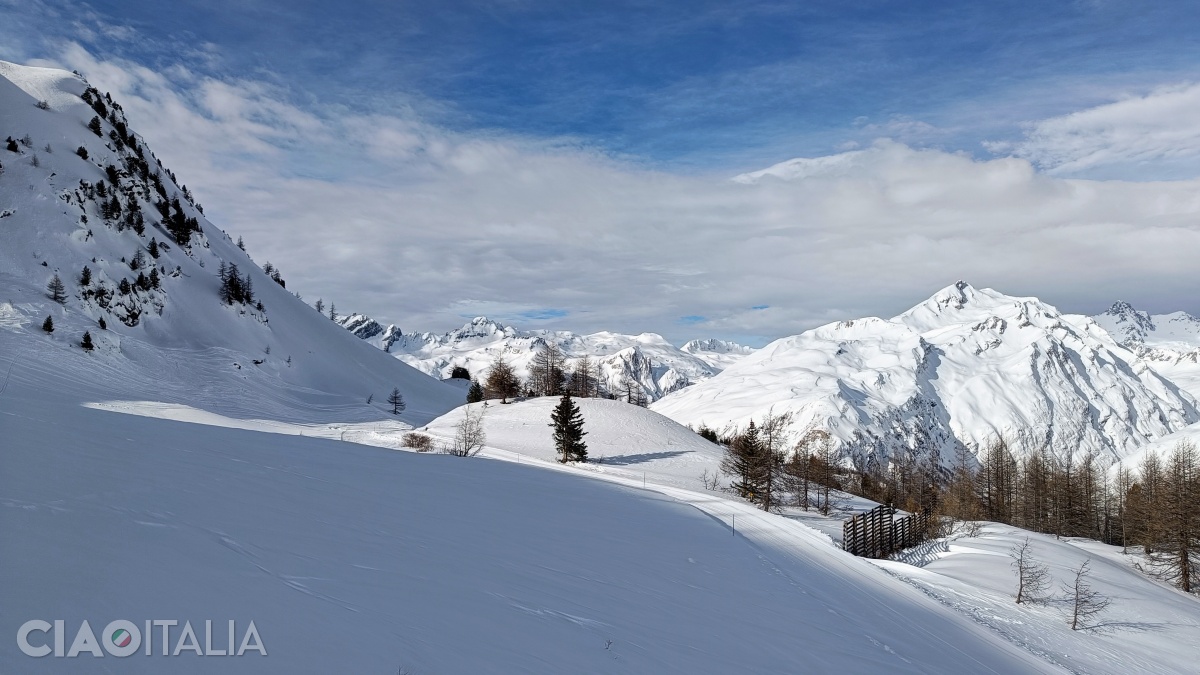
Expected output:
(1153, 504)
(549, 375)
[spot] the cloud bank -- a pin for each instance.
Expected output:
(1161, 126)
(393, 216)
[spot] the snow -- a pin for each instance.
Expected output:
(656, 365)
(181, 472)
(1169, 343)
(966, 366)
(196, 350)
(623, 439)
(1149, 627)
(350, 558)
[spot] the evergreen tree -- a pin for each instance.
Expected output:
(153, 248)
(12, 145)
(320, 306)
(241, 244)
(474, 392)
(48, 324)
(333, 315)
(85, 277)
(124, 287)
(94, 125)
(103, 324)
(743, 461)
(86, 342)
(395, 400)
(82, 152)
(568, 431)
(57, 290)
(460, 373)
(155, 282)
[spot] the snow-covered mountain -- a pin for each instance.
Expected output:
(719, 354)
(1170, 343)
(965, 366)
(83, 197)
(652, 364)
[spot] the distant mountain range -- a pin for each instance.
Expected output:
(646, 362)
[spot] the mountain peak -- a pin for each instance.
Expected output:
(1131, 324)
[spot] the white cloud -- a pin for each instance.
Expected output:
(1161, 125)
(395, 217)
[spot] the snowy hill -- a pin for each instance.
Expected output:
(1170, 343)
(622, 439)
(965, 366)
(359, 559)
(75, 197)
(655, 366)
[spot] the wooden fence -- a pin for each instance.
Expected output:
(877, 534)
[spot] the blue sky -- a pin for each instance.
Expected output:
(568, 164)
(695, 85)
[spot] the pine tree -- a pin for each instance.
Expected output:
(103, 324)
(94, 125)
(474, 392)
(155, 282)
(82, 152)
(57, 290)
(743, 461)
(395, 400)
(320, 306)
(153, 248)
(85, 277)
(48, 324)
(124, 287)
(567, 422)
(333, 315)
(241, 244)
(86, 342)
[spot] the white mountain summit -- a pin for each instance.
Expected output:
(964, 367)
(1170, 343)
(648, 362)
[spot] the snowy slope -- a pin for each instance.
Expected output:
(622, 439)
(655, 365)
(357, 559)
(177, 342)
(1150, 627)
(965, 366)
(1170, 343)
(719, 354)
